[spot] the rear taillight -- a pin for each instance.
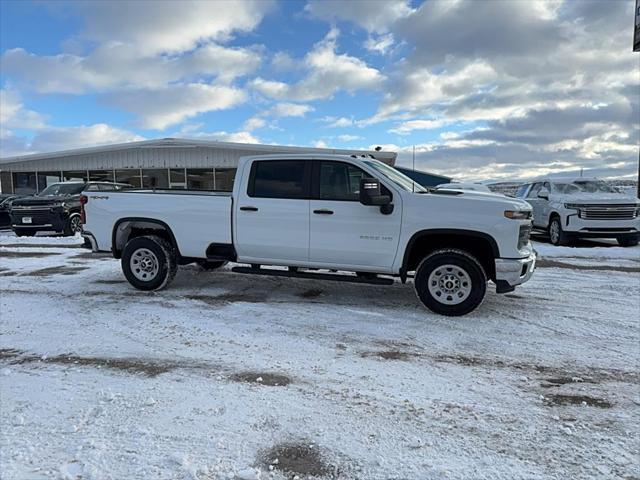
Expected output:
(83, 201)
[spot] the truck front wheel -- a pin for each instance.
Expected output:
(450, 282)
(149, 262)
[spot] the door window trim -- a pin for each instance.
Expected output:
(306, 185)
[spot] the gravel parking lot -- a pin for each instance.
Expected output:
(235, 376)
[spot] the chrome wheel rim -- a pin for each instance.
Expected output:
(76, 224)
(449, 284)
(144, 264)
(554, 231)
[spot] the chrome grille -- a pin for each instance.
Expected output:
(609, 212)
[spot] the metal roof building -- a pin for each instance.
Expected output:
(162, 163)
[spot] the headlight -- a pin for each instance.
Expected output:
(518, 214)
(573, 206)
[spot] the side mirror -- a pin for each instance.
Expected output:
(370, 194)
(543, 193)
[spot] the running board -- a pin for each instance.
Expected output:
(313, 276)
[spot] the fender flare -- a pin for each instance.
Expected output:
(114, 233)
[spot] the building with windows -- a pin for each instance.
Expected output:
(163, 163)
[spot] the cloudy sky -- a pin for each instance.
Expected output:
(495, 89)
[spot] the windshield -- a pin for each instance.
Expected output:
(398, 178)
(582, 186)
(62, 189)
(594, 186)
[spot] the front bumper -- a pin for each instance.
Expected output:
(580, 227)
(514, 271)
(41, 219)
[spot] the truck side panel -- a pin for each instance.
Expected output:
(196, 220)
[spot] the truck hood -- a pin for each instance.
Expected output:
(604, 198)
(44, 201)
(494, 198)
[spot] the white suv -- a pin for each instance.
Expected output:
(574, 207)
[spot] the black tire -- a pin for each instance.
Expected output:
(209, 265)
(24, 233)
(449, 263)
(628, 240)
(73, 225)
(557, 236)
(162, 261)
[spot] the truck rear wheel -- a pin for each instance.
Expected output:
(149, 262)
(450, 282)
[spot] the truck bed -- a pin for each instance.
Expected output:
(196, 218)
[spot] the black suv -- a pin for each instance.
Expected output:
(56, 208)
(5, 203)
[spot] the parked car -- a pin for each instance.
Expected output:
(5, 203)
(577, 207)
(56, 208)
(475, 187)
(309, 212)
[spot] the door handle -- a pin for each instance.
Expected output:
(249, 209)
(323, 211)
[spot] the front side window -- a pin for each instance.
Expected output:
(278, 179)
(522, 189)
(395, 176)
(533, 193)
(340, 181)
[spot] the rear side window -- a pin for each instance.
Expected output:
(279, 179)
(92, 187)
(339, 181)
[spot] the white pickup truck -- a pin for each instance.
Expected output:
(331, 217)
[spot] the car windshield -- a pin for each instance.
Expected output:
(581, 186)
(398, 178)
(594, 186)
(62, 189)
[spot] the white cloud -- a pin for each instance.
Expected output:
(169, 27)
(319, 144)
(349, 138)
(254, 123)
(338, 122)
(379, 43)
(372, 15)
(13, 113)
(290, 110)
(167, 106)
(51, 139)
(118, 67)
(407, 127)
(327, 73)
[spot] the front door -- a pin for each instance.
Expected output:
(272, 215)
(342, 230)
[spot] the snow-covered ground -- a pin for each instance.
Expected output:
(234, 376)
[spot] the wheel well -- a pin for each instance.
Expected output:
(481, 246)
(129, 228)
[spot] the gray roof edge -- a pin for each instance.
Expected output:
(186, 142)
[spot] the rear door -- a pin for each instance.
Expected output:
(272, 213)
(342, 230)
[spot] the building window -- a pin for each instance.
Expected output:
(224, 179)
(75, 176)
(101, 175)
(129, 176)
(5, 182)
(155, 178)
(24, 183)
(177, 178)
(200, 179)
(47, 178)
